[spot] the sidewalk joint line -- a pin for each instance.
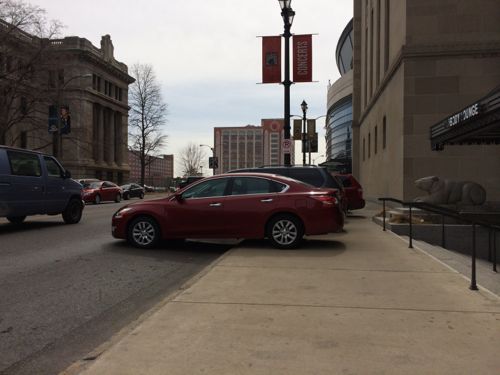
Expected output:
(333, 269)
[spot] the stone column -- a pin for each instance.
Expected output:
(100, 134)
(124, 148)
(119, 139)
(111, 139)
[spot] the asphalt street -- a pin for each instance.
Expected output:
(65, 289)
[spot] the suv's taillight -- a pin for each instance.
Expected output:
(325, 199)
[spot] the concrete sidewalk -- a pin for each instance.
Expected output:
(359, 302)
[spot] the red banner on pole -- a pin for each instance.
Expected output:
(271, 59)
(302, 58)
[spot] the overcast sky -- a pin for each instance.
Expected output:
(207, 56)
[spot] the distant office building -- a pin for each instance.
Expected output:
(66, 76)
(249, 146)
(339, 108)
(159, 170)
(417, 63)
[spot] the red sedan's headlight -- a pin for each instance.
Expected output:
(119, 214)
(327, 200)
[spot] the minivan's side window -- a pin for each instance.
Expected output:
(211, 188)
(24, 164)
(53, 168)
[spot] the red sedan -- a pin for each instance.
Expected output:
(236, 205)
(99, 191)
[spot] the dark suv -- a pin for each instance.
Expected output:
(189, 180)
(310, 174)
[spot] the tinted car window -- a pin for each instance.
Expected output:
(311, 176)
(211, 188)
(53, 168)
(345, 181)
(24, 164)
(252, 185)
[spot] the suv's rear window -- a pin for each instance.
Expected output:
(311, 176)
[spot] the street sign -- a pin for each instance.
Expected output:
(287, 146)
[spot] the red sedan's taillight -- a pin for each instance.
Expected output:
(327, 200)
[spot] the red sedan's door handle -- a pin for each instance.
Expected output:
(215, 204)
(266, 200)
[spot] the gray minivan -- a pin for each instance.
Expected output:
(32, 183)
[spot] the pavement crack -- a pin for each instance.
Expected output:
(336, 307)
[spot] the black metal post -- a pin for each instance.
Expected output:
(473, 285)
(304, 121)
(287, 83)
(495, 251)
(411, 232)
(489, 244)
(442, 233)
(384, 214)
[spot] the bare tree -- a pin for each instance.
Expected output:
(147, 115)
(191, 159)
(24, 35)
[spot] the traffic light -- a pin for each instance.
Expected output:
(213, 162)
(65, 119)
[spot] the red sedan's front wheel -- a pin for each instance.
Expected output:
(285, 231)
(143, 232)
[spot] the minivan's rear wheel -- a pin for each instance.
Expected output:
(143, 232)
(97, 199)
(16, 219)
(73, 212)
(285, 231)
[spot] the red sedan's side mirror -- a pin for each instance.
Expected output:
(178, 197)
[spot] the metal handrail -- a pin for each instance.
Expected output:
(444, 211)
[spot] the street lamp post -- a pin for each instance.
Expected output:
(213, 157)
(57, 135)
(304, 121)
(287, 14)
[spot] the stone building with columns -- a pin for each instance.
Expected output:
(91, 84)
(98, 101)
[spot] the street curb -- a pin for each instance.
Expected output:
(89, 358)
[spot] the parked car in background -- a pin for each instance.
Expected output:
(99, 191)
(189, 180)
(32, 183)
(132, 191)
(353, 190)
(310, 174)
(149, 189)
(84, 181)
(242, 205)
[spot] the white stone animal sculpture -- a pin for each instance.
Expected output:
(443, 191)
